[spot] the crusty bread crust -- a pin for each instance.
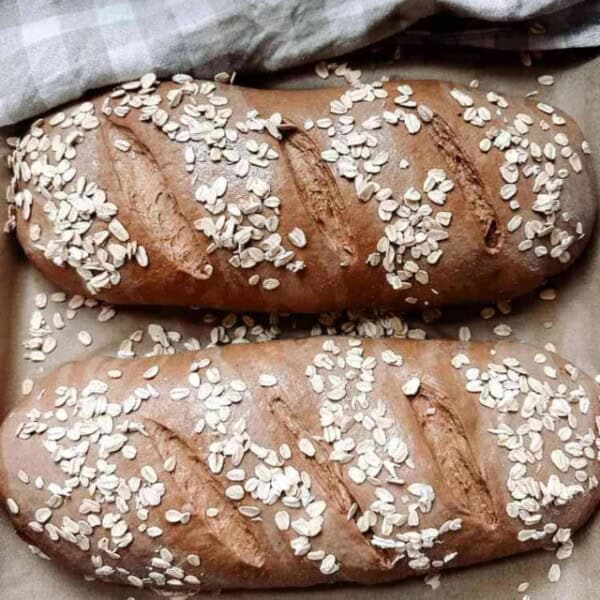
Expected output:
(394, 195)
(300, 462)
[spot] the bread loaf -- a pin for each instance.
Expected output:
(399, 194)
(301, 462)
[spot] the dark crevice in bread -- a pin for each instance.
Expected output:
(325, 473)
(159, 213)
(445, 435)
(319, 193)
(203, 491)
(465, 174)
(338, 493)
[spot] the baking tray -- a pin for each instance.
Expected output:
(570, 322)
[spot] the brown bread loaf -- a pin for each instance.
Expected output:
(418, 193)
(317, 460)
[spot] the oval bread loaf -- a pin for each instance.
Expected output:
(395, 195)
(319, 460)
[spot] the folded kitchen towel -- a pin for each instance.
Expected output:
(55, 50)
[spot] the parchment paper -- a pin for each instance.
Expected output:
(570, 322)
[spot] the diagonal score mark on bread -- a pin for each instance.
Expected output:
(331, 481)
(469, 181)
(449, 444)
(319, 193)
(159, 213)
(203, 490)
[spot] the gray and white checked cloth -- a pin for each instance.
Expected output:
(55, 50)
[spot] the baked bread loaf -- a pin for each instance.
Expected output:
(318, 460)
(401, 194)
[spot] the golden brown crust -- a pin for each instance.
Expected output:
(156, 183)
(373, 428)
